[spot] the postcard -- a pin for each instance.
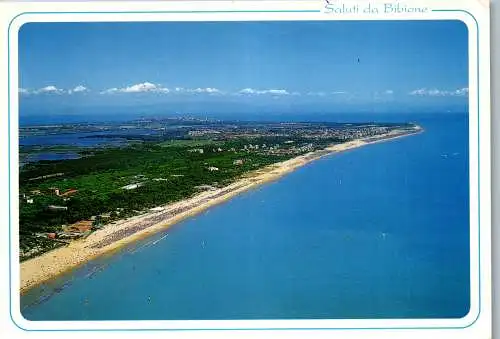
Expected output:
(254, 169)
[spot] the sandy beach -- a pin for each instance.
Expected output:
(113, 236)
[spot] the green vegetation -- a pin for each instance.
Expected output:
(189, 142)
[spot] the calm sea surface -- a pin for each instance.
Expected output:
(377, 232)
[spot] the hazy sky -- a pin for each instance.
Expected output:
(274, 63)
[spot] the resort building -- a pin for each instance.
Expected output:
(57, 208)
(132, 186)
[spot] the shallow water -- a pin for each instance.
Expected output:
(51, 156)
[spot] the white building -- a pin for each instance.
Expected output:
(132, 186)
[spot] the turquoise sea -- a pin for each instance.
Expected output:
(381, 231)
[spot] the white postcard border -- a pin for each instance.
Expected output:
(479, 136)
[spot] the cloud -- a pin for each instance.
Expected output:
(207, 90)
(110, 90)
(78, 89)
(49, 90)
(461, 92)
(145, 87)
(250, 91)
(316, 94)
(421, 91)
(324, 94)
(148, 87)
(275, 92)
(389, 92)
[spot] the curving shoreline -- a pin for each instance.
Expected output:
(115, 235)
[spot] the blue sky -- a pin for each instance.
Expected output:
(277, 64)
